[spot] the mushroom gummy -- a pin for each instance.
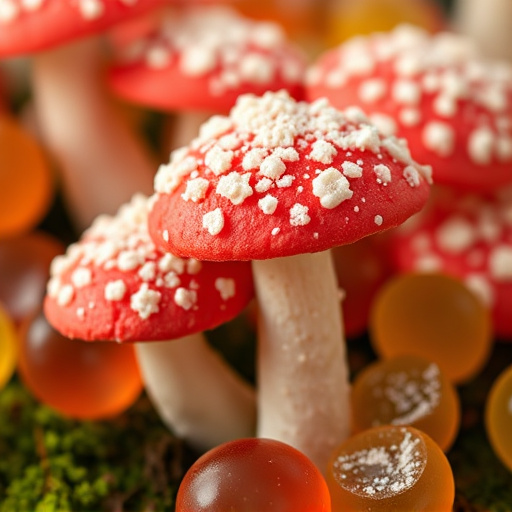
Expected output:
(407, 390)
(253, 475)
(281, 182)
(498, 417)
(390, 468)
(433, 316)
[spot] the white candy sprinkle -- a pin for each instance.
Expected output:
(145, 301)
(331, 187)
(218, 160)
(351, 170)
(213, 221)
(235, 187)
(323, 152)
(268, 204)
(272, 167)
(195, 190)
(226, 287)
(299, 215)
(115, 290)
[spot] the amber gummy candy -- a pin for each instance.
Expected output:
(433, 316)
(79, 379)
(8, 347)
(390, 469)
(253, 475)
(26, 182)
(407, 390)
(498, 417)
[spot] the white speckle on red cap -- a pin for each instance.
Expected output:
(383, 173)
(480, 286)
(331, 187)
(352, 170)
(81, 277)
(235, 187)
(385, 124)
(299, 215)
(500, 263)
(145, 301)
(218, 160)
(196, 189)
(272, 167)
(226, 287)
(197, 60)
(213, 221)
(378, 220)
(148, 271)
(268, 204)
(372, 90)
(254, 158)
(323, 152)
(406, 92)
(9, 11)
(412, 176)
(185, 298)
(481, 145)
(91, 9)
(456, 235)
(115, 290)
(439, 137)
(65, 295)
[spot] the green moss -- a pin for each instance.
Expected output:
(52, 464)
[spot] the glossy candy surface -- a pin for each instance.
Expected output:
(253, 475)
(8, 347)
(25, 270)
(498, 417)
(390, 469)
(81, 380)
(406, 390)
(435, 317)
(26, 182)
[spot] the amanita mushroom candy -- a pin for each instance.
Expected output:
(198, 60)
(470, 238)
(103, 163)
(115, 285)
(281, 182)
(454, 109)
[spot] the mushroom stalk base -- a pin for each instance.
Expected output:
(198, 396)
(303, 388)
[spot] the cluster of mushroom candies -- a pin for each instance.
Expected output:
(294, 187)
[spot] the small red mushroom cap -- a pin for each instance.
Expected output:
(454, 108)
(115, 285)
(279, 177)
(28, 26)
(203, 58)
(467, 237)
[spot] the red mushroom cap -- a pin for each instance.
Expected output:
(115, 285)
(279, 177)
(204, 58)
(467, 237)
(454, 110)
(28, 26)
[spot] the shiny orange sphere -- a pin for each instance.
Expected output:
(80, 379)
(26, 182)
(432, 316)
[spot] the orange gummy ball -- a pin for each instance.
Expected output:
(79, 379)
(253, 475)
(25, 269)
(432, 316)
(407, 390)
(390, 469)
(8, 347)
(26, 182)
(498, 417)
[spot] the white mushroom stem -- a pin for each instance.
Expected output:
(303, 387)
(102, 161)
(198, 396)
(488, 23)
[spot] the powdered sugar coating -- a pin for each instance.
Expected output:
(115, 284)
(388, 468)
(210, 54)
(434, 90)
(296, 175)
